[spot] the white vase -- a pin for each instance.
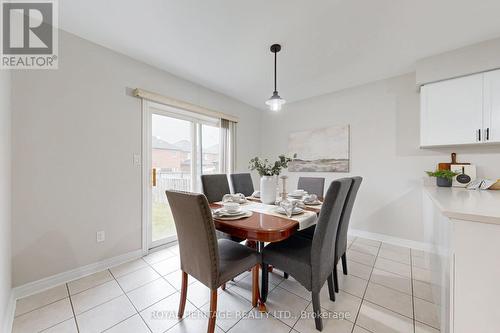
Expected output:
(268, 189)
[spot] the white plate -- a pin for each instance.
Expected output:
(223, 212)
(246, 213)
(296, 210)
(313, 203)
(297, 196)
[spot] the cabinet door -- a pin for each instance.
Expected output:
(452, 111)
(492, 106)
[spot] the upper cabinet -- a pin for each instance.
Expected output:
(461, 111)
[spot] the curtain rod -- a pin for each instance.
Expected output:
(154, 97)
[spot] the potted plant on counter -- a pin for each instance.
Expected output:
(444, 178)
(269, 173)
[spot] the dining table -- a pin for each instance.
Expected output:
(265, 225)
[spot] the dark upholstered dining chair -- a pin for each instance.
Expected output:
(215, 186)
(313, 185)
(310, 262)
(242, 183)
(212, 262)
(341, 242)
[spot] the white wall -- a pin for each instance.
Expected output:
(5, 195)
(384, 119)
(75, 133)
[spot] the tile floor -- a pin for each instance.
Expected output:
(387, 290)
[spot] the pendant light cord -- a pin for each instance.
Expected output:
(275, 62)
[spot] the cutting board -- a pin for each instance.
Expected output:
(447, 166)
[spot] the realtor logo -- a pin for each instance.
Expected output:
(29, 34)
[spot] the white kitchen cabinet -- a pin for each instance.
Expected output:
(452, 111)
(491, 110)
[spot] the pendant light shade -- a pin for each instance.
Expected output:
(275, 102)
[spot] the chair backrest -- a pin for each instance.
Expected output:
(198, 247)
(242, 183)
(325, 234)
(341, 243)
(313, 185)
(215, 186)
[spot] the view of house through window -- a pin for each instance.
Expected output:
(182, 150)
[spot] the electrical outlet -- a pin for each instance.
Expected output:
(137, 159)
(101, 236)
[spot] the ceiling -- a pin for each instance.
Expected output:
(328, 45)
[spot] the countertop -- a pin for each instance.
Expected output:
(469, 205)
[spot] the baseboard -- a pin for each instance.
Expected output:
(391, 240)
(58, 279)
(8, 315)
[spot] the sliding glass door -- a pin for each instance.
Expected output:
(180, 147)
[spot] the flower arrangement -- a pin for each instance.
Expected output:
(266, 168)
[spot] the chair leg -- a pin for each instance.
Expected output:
(344, 264)
(255, 284)
(317, 311)
(331, 290)
(223, 287)
(285, 275)
(213, 311)
(335, 280)
(182, 303)
(264, 282)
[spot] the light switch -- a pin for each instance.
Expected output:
(101, 236)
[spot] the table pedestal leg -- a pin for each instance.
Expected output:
(261, 300)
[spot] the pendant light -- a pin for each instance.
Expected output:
(275, 102)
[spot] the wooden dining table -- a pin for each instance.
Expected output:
(261, 228)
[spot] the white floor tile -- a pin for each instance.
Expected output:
(393, 267)
(258, 322)
(89, 281)
(421, 274)
(243, 285)
(162, 316)
(331, 323)
(352, 284)
(233, 306)
(366, 241)
(198, 294)
(167, 266)
(192, 324)
(427, 313)
(93, 297)
(174, 249)
(423, 290)
(105, 315)
(68, 326)
(158, 256)
(395, 248)
(422, 328)
(390, 299)
(36, 301)
(421, 262)
(345, 305)
(280, 302)
(128, 267)
(391, 280)
(138, 278)
(364, 248)
(394, 256)
(377, 319)
(360, 257)
(43, 318)
(358, 329)
(295, 287)
(134, 324)
(150, 293)
(356, 269)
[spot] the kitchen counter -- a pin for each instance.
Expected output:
(470, 205)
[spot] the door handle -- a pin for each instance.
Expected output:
(479, 135)
(487, 134)
(154, 177)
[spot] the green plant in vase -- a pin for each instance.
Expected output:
(444, 178)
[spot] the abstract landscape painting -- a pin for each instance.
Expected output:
(320, 150)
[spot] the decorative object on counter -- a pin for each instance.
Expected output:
(481, 184)
(320, 150)
(447, 165)
(268, 173)
(495, 186)
(444, 178)
(465, 174)
(284, 194)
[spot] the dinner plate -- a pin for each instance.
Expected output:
(313, 203)
(296, 210)
(223, 212)
(246, 213)
(298, 196)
